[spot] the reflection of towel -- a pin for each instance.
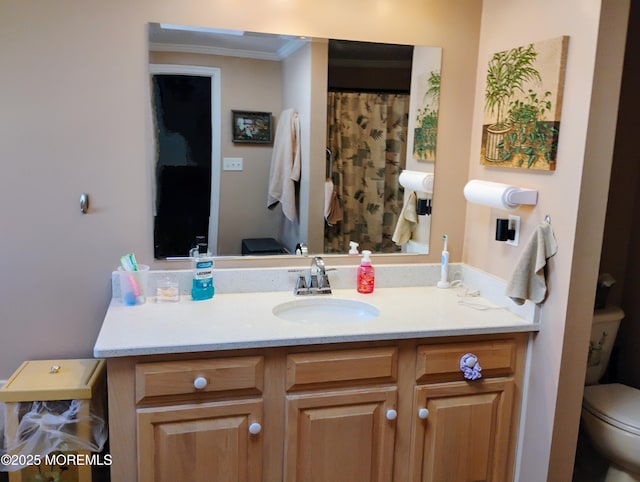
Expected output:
(528, 280)
(406, 221)
(332, 206)
(328, 191)
(285, 164)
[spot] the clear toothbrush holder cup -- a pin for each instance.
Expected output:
(133, 285)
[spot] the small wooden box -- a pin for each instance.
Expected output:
(50, 380)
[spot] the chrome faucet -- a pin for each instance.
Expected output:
(318, 280)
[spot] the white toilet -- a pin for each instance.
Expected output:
(611, 412)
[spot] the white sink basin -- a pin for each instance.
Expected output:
(318, 309)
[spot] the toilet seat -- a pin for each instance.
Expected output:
(616, 404)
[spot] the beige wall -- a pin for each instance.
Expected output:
(74, 120)
(299, 91)
(573, 196)
(253, 85)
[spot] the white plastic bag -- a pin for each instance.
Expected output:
(47, 427)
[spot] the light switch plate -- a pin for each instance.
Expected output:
(232, 163)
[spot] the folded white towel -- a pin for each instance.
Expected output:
(528, 280)
(406, 221)
(285, 164)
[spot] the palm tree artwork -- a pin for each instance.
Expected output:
(523, 94)
(426, 130)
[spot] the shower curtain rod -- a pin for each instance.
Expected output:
(329, 165)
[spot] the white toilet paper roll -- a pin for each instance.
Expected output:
(416, 181)
(492, 194)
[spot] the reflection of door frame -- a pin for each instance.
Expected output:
(216, 126)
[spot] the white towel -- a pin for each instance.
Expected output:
(328, 194)
(285, 164)
(528, 280)
(407, 220)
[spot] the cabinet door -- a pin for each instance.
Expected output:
(345, 436)
(464, 436)
(200, 442)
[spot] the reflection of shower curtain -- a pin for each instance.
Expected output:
(367, 134)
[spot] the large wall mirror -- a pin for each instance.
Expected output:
(226, 107)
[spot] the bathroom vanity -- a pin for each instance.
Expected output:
(226, 390)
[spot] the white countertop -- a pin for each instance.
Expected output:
(245, 320)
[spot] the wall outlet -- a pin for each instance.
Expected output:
(514, 223)
(232, 163)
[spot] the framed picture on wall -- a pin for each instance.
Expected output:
(252, 127)
(523, 95)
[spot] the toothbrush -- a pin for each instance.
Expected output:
(128, 263)
(444, 266)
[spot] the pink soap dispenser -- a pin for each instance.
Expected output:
(366, 274)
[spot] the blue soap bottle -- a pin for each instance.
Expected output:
(202, 287)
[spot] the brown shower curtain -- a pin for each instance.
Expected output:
(367, 136)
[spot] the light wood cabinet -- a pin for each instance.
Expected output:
(351, 411)
(333, 431)
(462, 429)
(338, 436)
(211, 440)
(464, 434)
(201, 442)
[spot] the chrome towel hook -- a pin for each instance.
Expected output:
(84, 203)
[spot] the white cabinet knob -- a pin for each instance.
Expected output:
(391, 414)
(255, 428)
(200, 383)
(423, 413)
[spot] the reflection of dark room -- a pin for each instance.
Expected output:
(183, 209)
(183, 162)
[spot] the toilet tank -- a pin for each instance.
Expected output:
(604, 329)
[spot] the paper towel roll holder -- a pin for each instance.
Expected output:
(522, 196)
(511, 198)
